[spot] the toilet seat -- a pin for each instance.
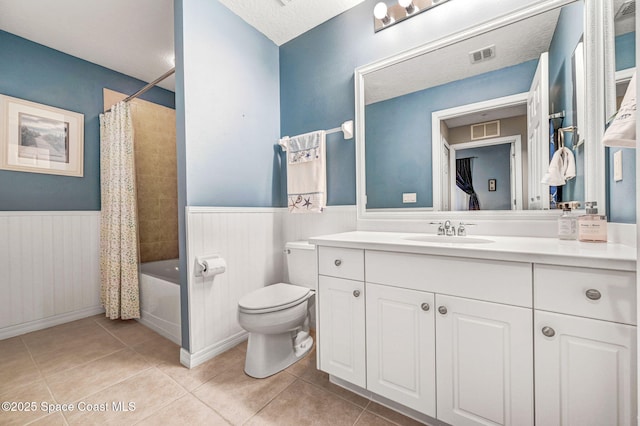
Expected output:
(273, 298)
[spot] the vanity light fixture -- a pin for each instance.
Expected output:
(385, 16)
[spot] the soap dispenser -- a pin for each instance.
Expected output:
(592, 227)
(567, 224)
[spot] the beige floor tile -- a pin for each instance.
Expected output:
(31, 392)
(301, 367)
(89, 378)
(55, 419)
(149, 390)
(74, 349)
(243, 346)
(194, 377)
(305, 404)
(319, 378)
(43, 339)
(237, 397)
(159, 350)
(368, 419)
(129, 332)
(16, 365)
(187, 410)
(390, 415)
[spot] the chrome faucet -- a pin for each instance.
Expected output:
(462, 228)
(449, 229)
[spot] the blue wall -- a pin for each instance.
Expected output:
(316, 72)
(490, 162)
(37, 73)
(569, 32)
(399, 132)
(231, 109)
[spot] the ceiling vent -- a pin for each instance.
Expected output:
(482, 54)
(490, 129)
(627, 9)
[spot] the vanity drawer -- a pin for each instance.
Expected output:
(490, 280)
(341, 262)
(593, 293)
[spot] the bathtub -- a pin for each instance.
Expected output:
(160, 298)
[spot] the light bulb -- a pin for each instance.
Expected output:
(380, 11)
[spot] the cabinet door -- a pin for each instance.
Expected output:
(585, 371)
(484, 353)
(341, 334)
(401, 346)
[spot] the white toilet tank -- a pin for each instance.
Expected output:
(301, 263)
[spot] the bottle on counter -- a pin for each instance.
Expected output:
(592, 227)
(567, 225)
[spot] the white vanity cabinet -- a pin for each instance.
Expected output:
(484, 353)
(401, 354)
(585, 346)
(341, 314)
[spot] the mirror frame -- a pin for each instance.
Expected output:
(597, 93)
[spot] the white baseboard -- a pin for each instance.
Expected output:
(18, 329)
(190, 360)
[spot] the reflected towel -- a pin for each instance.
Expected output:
(622, 131)
(561, 169)
(306, 172)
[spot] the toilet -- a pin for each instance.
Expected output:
(277, 316)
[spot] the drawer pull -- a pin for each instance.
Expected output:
(356, 293)
(593, 294)
(337, 262)
(548, 331)
(442, 310)
(425, 306)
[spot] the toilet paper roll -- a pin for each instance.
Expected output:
(212, 266)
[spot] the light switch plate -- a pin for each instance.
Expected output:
(409, 197)
(617, 166)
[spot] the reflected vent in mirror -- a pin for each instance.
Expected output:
(490, 129)
(483, 54)
(627, 9)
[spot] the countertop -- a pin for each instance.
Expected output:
(549, 251)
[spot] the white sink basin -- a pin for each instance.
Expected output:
(449, 239)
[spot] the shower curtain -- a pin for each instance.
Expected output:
(118, 218)
(464, 181)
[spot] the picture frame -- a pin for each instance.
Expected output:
(38, 138)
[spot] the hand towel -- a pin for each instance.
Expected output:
(307, 172)
(622, 131)
(561, 169)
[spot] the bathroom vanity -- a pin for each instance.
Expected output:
(477, 331)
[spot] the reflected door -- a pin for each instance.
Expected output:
(538, 134)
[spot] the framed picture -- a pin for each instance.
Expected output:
(38, 138)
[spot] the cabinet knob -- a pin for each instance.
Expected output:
(337, 262)
(356, 293)
(425, 306)
(548, 331)
(442, 310)
(593, 294)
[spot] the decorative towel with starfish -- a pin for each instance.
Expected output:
(307, 172)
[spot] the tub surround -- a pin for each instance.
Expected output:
(470, 331)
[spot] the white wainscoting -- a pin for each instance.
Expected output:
(251, 240)
(49, 269)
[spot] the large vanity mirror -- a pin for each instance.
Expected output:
(472, 121)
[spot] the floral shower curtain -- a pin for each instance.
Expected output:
(118, 219)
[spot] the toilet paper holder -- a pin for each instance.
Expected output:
(210, 265)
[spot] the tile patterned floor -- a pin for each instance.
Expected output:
(94, 362)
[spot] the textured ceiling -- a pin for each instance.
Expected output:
(282, 23)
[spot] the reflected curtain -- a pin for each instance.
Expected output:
(118, 218)
(464, 181)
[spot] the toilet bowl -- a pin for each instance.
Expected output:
(277, 316)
